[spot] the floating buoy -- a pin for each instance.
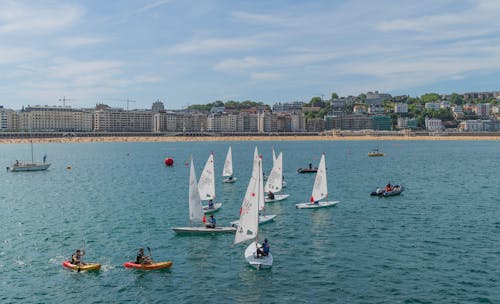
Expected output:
(169, 161)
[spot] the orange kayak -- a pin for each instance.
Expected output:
(158, 265)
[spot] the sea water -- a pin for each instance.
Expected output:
(438, 242)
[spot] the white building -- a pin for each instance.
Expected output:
(118, 120)
(433, 124)
(401, 107)
(482, 110)
(457, 111)
(55, 119)
(432, 105)
(471, 125)
(402, 123)
(444, 105)
(376, 109)
(6, 119)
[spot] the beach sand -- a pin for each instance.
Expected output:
(238, 138)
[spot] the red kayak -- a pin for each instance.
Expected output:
(158, 265)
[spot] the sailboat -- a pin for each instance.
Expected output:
(274, 182)
(196, 214)
(249, 225)
(29, 166)
(228, 167)
(320, 189)
(207, 186)
(283, 183)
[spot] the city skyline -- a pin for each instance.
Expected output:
(192, 52)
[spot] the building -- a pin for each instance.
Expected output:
(457, 111)
(471, 125)
(376, 97)
(432, 106)
(376, 109)
(7, 119)
(298, 122)
(482, 110)
(157, 107)
(288, 107)
(108, 119)
(267, 122)
(433, 124)
(315, 125)
(401, 108)
(381, 122)
(55, 119)
(351, 122)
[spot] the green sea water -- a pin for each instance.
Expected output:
(438, 242)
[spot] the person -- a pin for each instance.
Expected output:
(44, 158)
(270, 195)
(76, 258)
(264, 249)
(210, 204)
(211, 222)
(310, 166)
(388, 187)
(142, 258)
(230, 178)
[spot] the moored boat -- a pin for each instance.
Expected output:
(395, 190)
(375, 152)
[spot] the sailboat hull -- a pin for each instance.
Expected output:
(277, 198)
(317, 205)
(216, 208)
(257, 263)
(262, 219)
(230, 181)
(203, 230)
(29, 167)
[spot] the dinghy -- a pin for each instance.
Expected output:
(228, 168)
(249, 223)
(196, 214)
(274, 182)
(207, 186)
(320, 190)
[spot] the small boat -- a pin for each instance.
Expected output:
(86, 267)
(228, 168)
(275, 182)
(375, 152)
(277, 198)
(249, 217)
(320, 190)
(196, 213)
(307, 170)
(29, 166)
(396, 190)
(262, 219)
(215, 208)
(153, 266)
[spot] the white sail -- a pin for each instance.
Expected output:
(195, 206)
(274, 157)
(228, 164)
(207, 180)
(249, 213)
(274, 182)
(320, 189)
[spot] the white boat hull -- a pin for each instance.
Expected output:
(203, 230)
(230, 181)
(216, 208)
(258, 263)
(29, 167)
(317, 205)
(277, 198)
(262, 220)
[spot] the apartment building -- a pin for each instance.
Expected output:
(54, 119)
(108, 119)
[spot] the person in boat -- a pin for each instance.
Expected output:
(212, 222)
(142, 258)
(264, 249)
(388, 187)
(17, 162)
(230, 178)
(310, 166)
(76, 258)
(210, 204)
(270, 195)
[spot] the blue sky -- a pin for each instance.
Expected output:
(186, 52)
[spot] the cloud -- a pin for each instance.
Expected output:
(152, 5)
(15, 18)
(13, 55)
(80, 41)
(212, 45)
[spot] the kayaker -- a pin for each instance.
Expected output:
(142, 258)
(76, 258)
(212, 222)
(270, 195)
(264, 250)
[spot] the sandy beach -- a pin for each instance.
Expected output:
(240, 138)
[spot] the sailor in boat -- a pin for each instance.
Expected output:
(212, 222)
(142, 258)
(230, 178)
(76, 258)
(388, 187)
(44, 158)
(263, 251)
(310, 166)
(270, 195)
(210, 204)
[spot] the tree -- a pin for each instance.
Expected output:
(456, 99)
(430, 97)
(335, 96)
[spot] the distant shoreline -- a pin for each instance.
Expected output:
(243, 138)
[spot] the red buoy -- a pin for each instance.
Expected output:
(169, 161)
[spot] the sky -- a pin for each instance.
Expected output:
(184, 52)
